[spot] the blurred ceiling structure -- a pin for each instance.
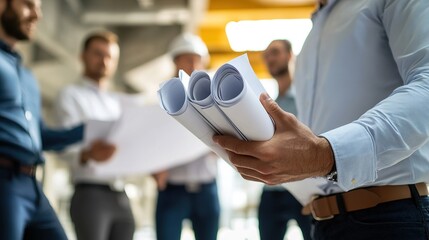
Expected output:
(145, 28)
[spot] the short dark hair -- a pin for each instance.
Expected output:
(107, 36)
(286, 43)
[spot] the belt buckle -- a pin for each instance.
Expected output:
(32, 171)
(192, 187)
(28, 170)
(313, 213)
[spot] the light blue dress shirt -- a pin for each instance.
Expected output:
(362, 82)
(23, 134)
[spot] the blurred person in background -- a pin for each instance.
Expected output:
(25, 212)
(188, 191)
(278, 206)
(100, 208)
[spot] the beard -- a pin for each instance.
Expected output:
(97, 73)
(11, 24)
(280, 72)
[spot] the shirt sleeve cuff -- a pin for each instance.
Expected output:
(354, 155)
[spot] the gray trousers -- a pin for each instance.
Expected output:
(98, 213)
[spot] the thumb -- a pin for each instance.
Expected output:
(271, 107)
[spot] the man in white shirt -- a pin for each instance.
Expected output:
(100, 208)
(362, 81)
(188, 191)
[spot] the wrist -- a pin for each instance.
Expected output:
(326, 158)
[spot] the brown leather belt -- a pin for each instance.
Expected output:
(15, 166)
(323, 208)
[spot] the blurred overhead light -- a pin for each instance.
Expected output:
(255, 35)
(271, 86)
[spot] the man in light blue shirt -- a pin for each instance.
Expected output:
(362, 83)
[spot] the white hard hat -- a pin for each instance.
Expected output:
(188, 43)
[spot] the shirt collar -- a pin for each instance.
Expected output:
(289, 93)
(323, 6)
(90, 84)
(6, 48)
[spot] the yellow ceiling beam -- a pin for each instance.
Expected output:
(215, 38)
(222, 17)
(221, 12)
(212, 28)
(248, 4)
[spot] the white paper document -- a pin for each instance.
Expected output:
(228, 104)
(96, 129)
(147, 140)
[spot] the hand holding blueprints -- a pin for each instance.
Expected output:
(228, 104)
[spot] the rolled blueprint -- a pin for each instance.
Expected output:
(201, 98)
(229, 104)
(236, 89)
(173, 99)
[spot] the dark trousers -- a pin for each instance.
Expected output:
(176, 203)
(25, 213)
(275, 210)
(98, 213)
(396, 220)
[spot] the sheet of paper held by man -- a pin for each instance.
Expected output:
(147, 140)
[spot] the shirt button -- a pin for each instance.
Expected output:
(28, 115)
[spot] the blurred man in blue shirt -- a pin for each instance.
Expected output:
(25, 213)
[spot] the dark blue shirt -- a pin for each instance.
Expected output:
(22, 133)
